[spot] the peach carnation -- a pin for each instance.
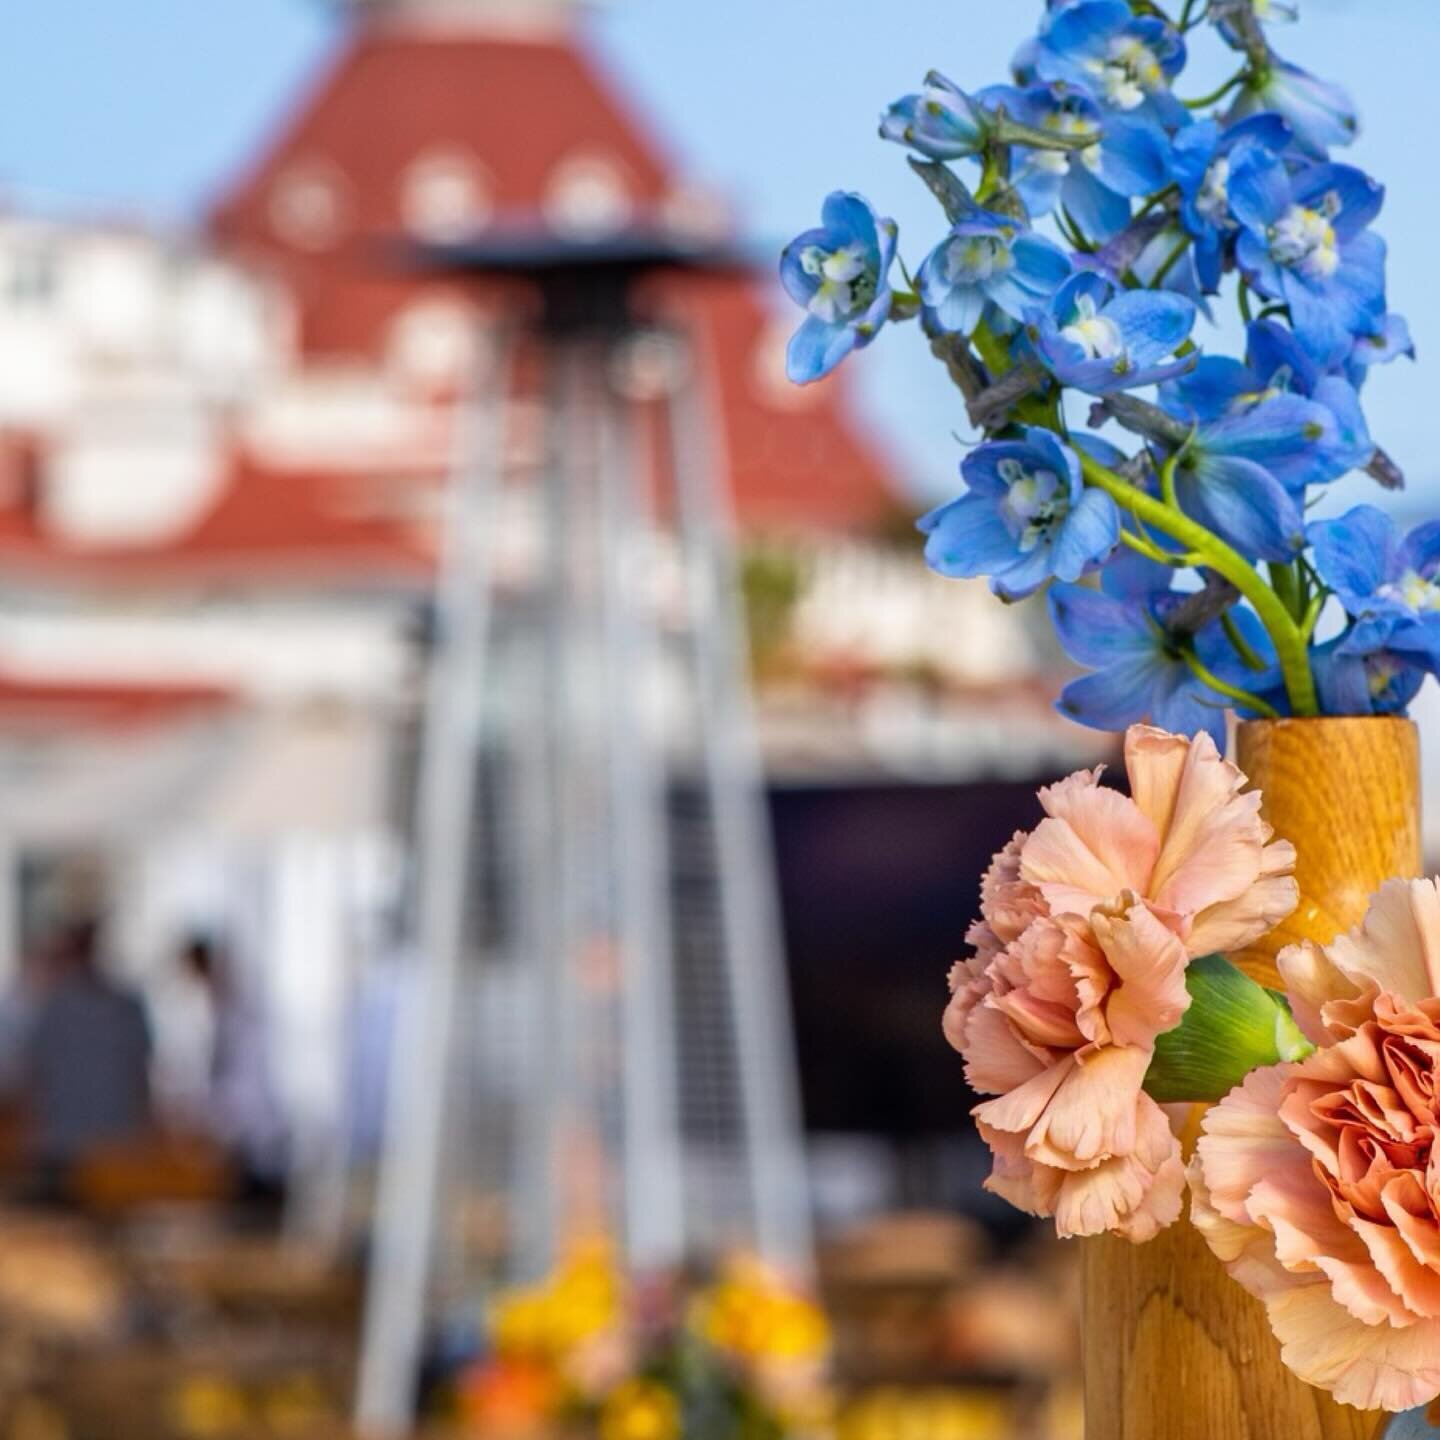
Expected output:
(1087, 927)
(1318, 1184)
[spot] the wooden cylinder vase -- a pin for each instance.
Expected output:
(1173, 1348)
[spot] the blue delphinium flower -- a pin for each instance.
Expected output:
(1389, 585)
(1305, 242)
(1389, 340)
(1278, 364)
(840, 274)
(1380, 683)
(1140, 670)
(1099, 337)
(1244, 472)
(1125, 61)
(1026, 516)
(1093, 184)
(1201, 159)
(941, 121)
(1320, 114)
(988, 259)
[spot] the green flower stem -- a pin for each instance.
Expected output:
(1247, 698)
(1216, 95)
(1215, 554)
(1181, 560)
(1074, 234)
(1243, 296)
(1010, 132)
(992, 175)
(1248, 658)
(1286, 585)
(1158, 198)
(1170, 262)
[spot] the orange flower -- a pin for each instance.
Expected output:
(1087, 927)
(1318, 1184)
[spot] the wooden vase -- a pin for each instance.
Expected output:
(1173, 1348)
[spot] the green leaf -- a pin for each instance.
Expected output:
(1233, 1026)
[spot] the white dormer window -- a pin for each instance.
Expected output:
(434, 344)
(445, 195)
(588, 195)
(32, 279)
(308, 205)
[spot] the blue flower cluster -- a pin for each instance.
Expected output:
(1093, 215)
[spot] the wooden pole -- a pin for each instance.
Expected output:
(1173, 1348)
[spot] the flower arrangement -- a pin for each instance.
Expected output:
(742, 1358)
(1093, 216)
(1099, 992)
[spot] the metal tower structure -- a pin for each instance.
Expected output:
(602, 1036)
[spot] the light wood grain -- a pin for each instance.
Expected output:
(1173, 1348)
(1346, 792)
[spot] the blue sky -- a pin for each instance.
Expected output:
(141, 109)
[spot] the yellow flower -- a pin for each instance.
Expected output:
(581, 1299)
(640, 1410)
(753, 1314)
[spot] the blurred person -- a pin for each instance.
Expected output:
(242, 1112)
(17, 1014)
(85, 1058)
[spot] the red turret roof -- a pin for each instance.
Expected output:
(523, 109)
(520, 107)
(522, 113)
(293, 527)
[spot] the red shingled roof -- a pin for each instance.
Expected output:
(50, 705)
(521, 107)
(295, 526)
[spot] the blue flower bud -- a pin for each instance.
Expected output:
(941, 121)
(1320, 113)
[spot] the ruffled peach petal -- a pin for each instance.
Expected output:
(1092, 977)
(967, 990)
(1397, 945)
(1415, 1285)
(1016, 1111)
(1227, 1238)
(1243, 1140)
(1299, 1215)
(1092, 1113)
(1094, 844)
(997, 1058)
(1312, 981)
(1156, 1140)
(1015, 1178)
(1212, 847)
(1094, 1201)
(1363, 1291)
(1042, 1022)
(1155, 762)
(1136, 1195)
(1150, 962)
(1161, 1204)
(1007, 902)
(1373, 1367)
(1414, 1219)
(1233, 924)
